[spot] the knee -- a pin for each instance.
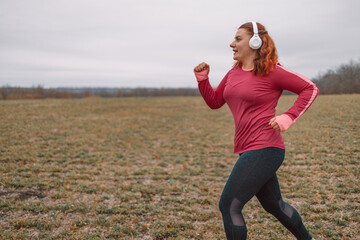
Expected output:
(230, 206)
(222, 205)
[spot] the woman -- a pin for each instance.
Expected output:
(252, 89)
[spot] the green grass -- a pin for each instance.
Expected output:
(154, 168)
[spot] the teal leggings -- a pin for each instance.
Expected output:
(254, 174)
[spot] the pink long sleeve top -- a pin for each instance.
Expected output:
(252, 101)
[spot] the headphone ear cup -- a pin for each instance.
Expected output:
(255, 42)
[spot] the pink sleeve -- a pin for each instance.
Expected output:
(300, 85)
(213, 98)
(284, 122)
(201, 76)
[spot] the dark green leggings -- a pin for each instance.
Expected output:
(254, 174)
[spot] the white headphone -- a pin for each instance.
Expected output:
(255, 41)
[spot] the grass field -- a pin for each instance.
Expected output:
(154, 168)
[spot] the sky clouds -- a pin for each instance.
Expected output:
(139, 43)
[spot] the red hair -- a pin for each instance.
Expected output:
(266, 55)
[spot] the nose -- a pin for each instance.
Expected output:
(232, 45)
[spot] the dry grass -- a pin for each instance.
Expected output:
(154, 168)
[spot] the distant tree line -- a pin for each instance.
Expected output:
(8, 92)
(343, 80)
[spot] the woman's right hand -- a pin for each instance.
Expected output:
(202, 71)
(202, 66)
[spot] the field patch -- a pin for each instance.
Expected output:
(154, 168)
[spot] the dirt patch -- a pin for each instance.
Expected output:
(22, 195)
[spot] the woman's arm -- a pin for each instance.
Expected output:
(300, 85)
(213, 98)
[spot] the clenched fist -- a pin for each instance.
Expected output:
(201, 67)
(202, 71)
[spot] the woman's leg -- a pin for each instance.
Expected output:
(270, 198)
(251, 171)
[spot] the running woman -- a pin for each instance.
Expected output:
(252, 89)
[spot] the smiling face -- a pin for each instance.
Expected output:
(242, 51)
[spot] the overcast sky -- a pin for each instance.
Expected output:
(157, 43)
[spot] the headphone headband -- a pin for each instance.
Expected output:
(255, 29)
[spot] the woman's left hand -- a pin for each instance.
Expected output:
(274, 124)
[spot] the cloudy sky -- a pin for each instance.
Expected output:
(157, 43)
